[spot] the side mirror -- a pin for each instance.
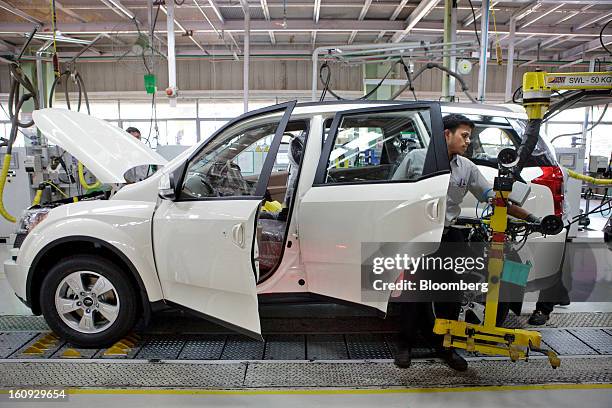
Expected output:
(168, 188)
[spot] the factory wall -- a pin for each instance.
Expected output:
(265, 75)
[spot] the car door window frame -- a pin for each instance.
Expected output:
(268, 165)
(436, 161)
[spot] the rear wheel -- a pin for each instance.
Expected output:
(88, 301)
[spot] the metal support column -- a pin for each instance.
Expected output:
(484, 48)
(450, 36)
(510, 61)
(41, 84)
(587, 112)
(247, 52)
(171, 50)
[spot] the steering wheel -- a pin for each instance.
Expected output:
(196, 186)
(232, 174)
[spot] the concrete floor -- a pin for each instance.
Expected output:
(504, 397)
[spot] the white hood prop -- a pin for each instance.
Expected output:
(106, 150)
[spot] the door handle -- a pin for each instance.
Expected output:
(238, 235)
(432, 208)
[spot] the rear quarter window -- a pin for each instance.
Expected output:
(494, 133)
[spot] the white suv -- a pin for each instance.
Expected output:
(204, 232)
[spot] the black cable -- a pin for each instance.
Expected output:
(601, 37)
(16, 101)
(598, 209)
(327, 80)
(588, 130)
(80, 86)
(559, 107)
(474, 24)
(430, 65)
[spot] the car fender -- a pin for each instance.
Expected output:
(121, 226)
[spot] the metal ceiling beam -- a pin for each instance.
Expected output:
(69, 12)
(6, 46)
(265, 9)
(593, 20)
(424, 7)
(316, 14)
(362, 14)
(541, 15)
(304, 50)
(528, 9)
(352, 37)
(220, 35)
(181, 27)
(396, 13)
(119, 8)
(470, 19)
(574, 14)
(545, 43)
(328, 26)
(216, 9)
(364, 9)
(584, 48)
(20, 13)
(522, 40)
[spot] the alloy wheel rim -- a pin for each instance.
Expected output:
(87, 302)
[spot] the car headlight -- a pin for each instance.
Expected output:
(31, 218)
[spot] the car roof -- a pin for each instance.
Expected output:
(506, 110)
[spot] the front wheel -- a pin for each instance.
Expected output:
(88, 301)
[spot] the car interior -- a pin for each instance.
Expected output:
(273, 220)
(372, 147)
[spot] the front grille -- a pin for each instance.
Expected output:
(19, 240)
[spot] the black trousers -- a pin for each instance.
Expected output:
(548, 298)
(558, 293)
(420, 316)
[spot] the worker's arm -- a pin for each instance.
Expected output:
(480, 187)
(519, 212)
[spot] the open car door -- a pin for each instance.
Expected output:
(382, 177)
(204, 239)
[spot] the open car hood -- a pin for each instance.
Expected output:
(106, 150)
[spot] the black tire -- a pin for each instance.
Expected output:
(128, 308)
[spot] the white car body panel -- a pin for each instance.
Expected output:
(125, 225)
(347, 216)
(194, 239)
(106, 150)
(202, 264)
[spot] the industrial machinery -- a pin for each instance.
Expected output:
(487, 338)
(38, 173)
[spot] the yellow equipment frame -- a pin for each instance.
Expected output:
(487, 338)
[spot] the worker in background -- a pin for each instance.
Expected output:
(138, 173)
(557, 294)
(464, 177)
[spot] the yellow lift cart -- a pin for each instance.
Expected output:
(487, 338)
